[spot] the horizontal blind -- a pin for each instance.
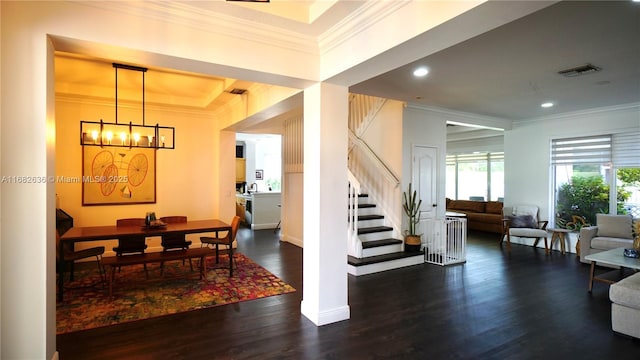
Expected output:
(452, 159)
(581, 150)
(626, 149)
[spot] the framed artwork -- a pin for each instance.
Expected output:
(259, 174)
(118, 175)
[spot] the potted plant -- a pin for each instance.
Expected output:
(411, 206)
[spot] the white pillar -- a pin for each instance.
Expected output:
(325, 204)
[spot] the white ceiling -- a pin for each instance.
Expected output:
(504, 73)
(508, 72)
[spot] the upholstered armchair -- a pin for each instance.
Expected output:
(523, 221)
(610, 232)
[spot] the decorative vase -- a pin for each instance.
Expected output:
(412, 243)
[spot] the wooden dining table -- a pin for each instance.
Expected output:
(113, 232)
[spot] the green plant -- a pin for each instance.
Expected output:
(411, 205)
(584, 197)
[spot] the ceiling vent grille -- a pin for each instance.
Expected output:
(579, 70)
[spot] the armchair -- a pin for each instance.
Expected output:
(523, 221)
(610, 232)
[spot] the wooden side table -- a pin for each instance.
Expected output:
(559, 234)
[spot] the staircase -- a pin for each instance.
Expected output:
(380, 251)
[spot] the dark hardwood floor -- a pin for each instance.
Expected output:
(498, 305)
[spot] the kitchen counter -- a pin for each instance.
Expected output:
(262, 209)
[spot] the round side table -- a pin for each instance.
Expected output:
(559, 234)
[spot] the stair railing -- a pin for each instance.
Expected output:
(374, 158)
(354, 247)
(362, 110)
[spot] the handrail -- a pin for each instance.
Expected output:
(376, 160)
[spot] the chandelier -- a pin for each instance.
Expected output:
(101, 133)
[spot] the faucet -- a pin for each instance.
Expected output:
(252, 186)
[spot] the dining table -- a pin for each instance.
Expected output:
(113, 232)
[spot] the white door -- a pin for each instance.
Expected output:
(425, 179)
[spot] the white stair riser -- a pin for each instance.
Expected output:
(384, 266)
(381, 250)
(368, 211)
(375, 236)
(371, 223)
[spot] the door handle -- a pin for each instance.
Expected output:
(434, 205)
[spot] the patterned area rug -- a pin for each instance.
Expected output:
(86, 303)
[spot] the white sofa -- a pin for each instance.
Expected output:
(610, 232)
(625, 306)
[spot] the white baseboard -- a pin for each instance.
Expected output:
(292, 240)
(327, 316)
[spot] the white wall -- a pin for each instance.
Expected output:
(527, 151)
(28, 133)
(293, 209)
(191, 194)
(422, 126)
(385, 133)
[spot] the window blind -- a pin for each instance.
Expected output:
(581, 150)
(626, 150)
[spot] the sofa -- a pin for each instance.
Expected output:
(625, 306)
(481, 215)
(610, 232)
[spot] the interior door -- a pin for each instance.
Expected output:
(425, 179)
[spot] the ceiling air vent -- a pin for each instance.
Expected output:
(237, 91)
(579, 70)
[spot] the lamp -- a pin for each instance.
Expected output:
(100, 133)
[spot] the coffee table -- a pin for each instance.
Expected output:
(613, 257)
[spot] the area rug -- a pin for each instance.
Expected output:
(86, 303)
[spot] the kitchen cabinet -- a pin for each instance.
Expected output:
(241, 170)
(262, 209)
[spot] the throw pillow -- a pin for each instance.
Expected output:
(617, 226)
(522, 221)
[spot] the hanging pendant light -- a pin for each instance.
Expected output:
(100, 133)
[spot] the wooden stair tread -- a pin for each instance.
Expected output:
(370, 217)
(382, 258)
(382, 242)
(363, 206)
(373, 229)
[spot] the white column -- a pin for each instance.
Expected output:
(325, 204)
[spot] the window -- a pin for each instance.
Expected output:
(584, 170)
(477, 176)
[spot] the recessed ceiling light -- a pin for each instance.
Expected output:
(547, 105)
(421, 71)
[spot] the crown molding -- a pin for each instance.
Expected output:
(465, 118)
(212, 22)
(585, 112)
(357, 22)
(99, 101)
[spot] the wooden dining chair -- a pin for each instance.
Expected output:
(226, 240)
(174, 241)
(66, 256)
(131, 244)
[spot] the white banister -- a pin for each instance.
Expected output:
(355, 245)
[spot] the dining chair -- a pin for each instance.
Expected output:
(131, 244)
(174, 241)
(226, 240)
(65, 255)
